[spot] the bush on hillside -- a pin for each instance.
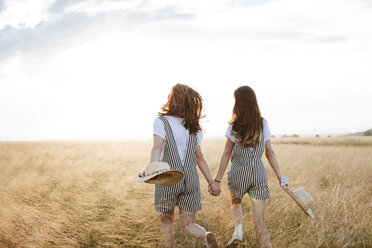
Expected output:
(368, 132)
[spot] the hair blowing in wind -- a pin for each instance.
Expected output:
(246, 118)
(186, 103)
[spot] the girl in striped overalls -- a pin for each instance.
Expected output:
(248, 136)
(177, 138)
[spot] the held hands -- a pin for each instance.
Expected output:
(214, 188)
(283, 182)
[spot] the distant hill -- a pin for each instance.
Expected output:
(365, 133)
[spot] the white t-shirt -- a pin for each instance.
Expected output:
(265, 131)
(180, 133)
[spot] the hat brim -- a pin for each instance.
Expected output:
(167, 178)
(306, 210)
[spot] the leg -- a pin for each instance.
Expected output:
(236, 209)
(258, 212)
(166, 228)
(237, 215)
(189, 226)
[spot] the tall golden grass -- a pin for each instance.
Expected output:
(84, 194)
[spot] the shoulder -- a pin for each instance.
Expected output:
(229, 128)
(199, 137)
(174, 120)
(168, 118)
(265, 123)
(200, 134)
(158, 124)
(158, 120)
(159, 128)
(266, 130)
(229, 134)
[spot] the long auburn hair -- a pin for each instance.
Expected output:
(184, 102)
(246, 118)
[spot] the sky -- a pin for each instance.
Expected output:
(101, 69)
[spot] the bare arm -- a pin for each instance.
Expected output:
(157, 147)
(270, 155)
(215, 188)
(203, 165)
(225, 159)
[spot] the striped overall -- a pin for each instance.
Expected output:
(186, 193)
(248, 174)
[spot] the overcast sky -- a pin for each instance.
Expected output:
(101, 69)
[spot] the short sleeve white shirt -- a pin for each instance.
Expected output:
(266, 132)
(180, 133)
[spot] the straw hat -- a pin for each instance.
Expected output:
(160, 173)
(302, 198)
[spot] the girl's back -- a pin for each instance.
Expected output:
(180, 133)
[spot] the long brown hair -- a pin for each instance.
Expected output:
(186, 103)
(246, 118)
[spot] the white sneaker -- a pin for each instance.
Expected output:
(210, 240)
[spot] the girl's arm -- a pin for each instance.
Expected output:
(215, 188)
(270, 155)
(225, 159)
(157, 147)
(203, 165)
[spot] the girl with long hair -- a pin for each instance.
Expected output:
(176, 140)
(248, 136)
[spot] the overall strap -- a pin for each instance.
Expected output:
(190, 158)
(171, 147)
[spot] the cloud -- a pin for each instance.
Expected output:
(169, 12)
(73, 22)
(250, 2)
(66, 29)
(2, 5)
(46, 36)
(331, 39)
(219, 34)
(60, 5)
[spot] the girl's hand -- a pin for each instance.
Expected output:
(214, 189)
(141, 174)
(283, 181)
(210, 190)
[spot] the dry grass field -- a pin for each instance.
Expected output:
(84, 194)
